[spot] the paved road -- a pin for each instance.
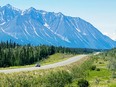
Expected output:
(66, 62)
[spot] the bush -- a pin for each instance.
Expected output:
(113, 75)
(93, 67)
(98, 69)
(83, 83)
(58, 79)
(100, 62)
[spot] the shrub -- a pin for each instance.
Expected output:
(83, 83)
(93, 67)
(58, 79)
(100, 62)
(113, 75)
(98, 69)
(97, 81)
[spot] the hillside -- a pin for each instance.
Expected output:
(41, 27)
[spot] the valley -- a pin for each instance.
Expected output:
(49, 66)
(41, 48)
(92, 69)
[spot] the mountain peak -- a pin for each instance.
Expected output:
(8, 5)
(41, 27)
(31, 9)
(42, 11)
(59, 14)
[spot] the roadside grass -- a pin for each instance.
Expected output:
(50, 60)
(101, 78)
(55, 77)
(58, 57)
(14, 67)
(65, 76)
(113, 84)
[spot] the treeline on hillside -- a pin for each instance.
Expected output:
(12, 54)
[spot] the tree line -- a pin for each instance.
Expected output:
(13, 54)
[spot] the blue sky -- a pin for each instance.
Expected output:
(100, 13)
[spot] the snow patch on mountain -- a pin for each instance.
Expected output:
(47, 26)
(12, 35)
(26, 30)
(33, 27)
(78, 30)
(63, 38)
(3, 23)
(84, 34)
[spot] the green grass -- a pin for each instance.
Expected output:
(14, 67)
(103, 73)
(112, 85)
(100, 78)
(55, 58)
(55, 77)
(65, 76)
(96, 78)
(50, 60)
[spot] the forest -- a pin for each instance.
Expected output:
(13, 54)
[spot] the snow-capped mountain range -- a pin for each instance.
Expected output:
(41, 27)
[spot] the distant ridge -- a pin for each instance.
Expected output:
(49, 28)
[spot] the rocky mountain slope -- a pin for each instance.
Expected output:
(41, 27)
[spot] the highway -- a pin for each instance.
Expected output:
(62, 63)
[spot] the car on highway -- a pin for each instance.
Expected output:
(37, 65)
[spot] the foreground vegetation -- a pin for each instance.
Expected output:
(58, 77)
(94, 71)
(103, 70)
(105, 73)
(12, 54)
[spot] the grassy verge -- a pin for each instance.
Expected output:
(101, 77)
(57, 77)
(93, 69)
(58, 57)
(50, 60)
